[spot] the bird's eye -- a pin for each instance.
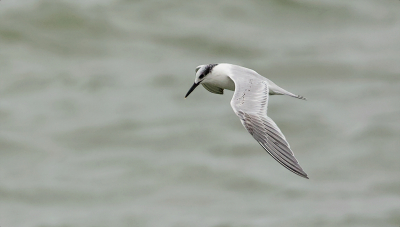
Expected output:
(201, 76)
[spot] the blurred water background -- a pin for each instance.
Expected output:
(94, 129)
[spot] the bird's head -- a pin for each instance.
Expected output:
(202, 71)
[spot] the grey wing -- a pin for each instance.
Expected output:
(249, 102)
(213, 89)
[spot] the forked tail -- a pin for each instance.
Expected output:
(276, 90)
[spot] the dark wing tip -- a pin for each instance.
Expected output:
(304, 175)
(300, 172)
(292, 167)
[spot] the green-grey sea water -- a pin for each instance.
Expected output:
(94, 129)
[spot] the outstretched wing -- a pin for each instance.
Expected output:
(250, 102)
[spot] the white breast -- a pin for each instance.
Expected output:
(219, 77)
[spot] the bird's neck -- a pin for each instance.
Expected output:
(219, 78)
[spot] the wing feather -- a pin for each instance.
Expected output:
(213, 89)
(250, 102)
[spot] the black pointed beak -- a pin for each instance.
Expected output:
(191, 89)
